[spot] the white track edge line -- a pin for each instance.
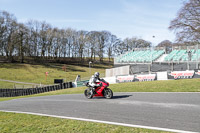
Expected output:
(164, 92)
(100, 121)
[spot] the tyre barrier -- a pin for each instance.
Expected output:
(31, 91)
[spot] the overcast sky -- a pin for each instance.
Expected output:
(123, 18)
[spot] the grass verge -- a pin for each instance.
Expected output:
(181, 85)
(23, 123)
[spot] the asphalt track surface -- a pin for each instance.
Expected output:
(179, 111)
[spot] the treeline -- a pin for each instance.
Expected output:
(40, 39)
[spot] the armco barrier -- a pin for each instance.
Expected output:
(80, 83)
(31, 91)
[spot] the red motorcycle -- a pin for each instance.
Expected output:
(101, 91)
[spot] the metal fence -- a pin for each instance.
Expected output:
(159, 67)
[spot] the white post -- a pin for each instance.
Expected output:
(152, 54)
(188, 65)
(197, 61)
(90, 67)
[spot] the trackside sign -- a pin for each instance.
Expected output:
(197, 73)
(148, 77)
(132, 78)
(182, 74)
(129, 78)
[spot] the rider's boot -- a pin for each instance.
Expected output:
(93, 91)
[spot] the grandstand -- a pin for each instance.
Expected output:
(183, 55)
(155, 60)
(146, 56)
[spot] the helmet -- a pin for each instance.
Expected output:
(96, 74)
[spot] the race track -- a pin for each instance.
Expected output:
(179, 111)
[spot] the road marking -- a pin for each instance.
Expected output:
(100, 121)
(162, 92)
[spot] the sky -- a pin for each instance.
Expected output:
(123, 18)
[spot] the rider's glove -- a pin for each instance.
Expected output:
(97, 85)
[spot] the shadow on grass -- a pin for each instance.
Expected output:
(69, 68)
(12, 65)
(58, 66)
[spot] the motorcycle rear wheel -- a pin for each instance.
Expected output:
(108, 94)
(88, 93)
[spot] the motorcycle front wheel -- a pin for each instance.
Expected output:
(108, 93)
(88, 93)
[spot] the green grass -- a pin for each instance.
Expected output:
(6, 84)
(23, 123)
(36, 73)
(181, 85)
(11, 85)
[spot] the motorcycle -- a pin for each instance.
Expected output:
(101, 91)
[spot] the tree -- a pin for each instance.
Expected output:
(7, 28)
(132, 43)
(21, 41)
(92, 44)
(101, 42)
(81, 42)
(112, 41)
(167, 44)
(34, 37)
(187, 22)
(70, 40)
(43, 43)
(2, 31)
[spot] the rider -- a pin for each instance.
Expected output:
(93, 81)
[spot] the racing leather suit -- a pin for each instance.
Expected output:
(93, 80)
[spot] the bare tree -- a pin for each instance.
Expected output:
(43, 43)
(8, 26)
(187, 22)
(34, 37)
(2, 31)
(92, 44)
(134, 42)
(166, 44)
(101, 43)
(70, 40)
(21, 41)
(110, 46)
(81, 42)
(110, 42)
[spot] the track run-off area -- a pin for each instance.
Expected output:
(174, 112)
